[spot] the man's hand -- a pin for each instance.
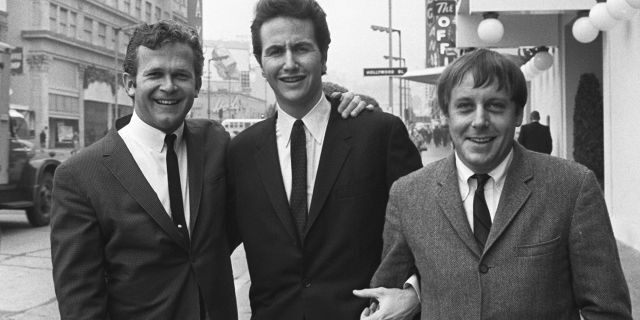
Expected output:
(350, 104)
(389, 304)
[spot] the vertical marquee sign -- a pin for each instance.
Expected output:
(194, 15)
(441, 32)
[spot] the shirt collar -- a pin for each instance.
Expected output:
(498, 174)
(316, 120)
(149, 136)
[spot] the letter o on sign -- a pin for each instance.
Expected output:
(444, 22)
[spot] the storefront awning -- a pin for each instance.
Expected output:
(467, 7)
(526, 22)
(429, 75)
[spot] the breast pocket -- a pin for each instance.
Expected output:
(538, 249)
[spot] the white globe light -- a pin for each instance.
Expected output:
(543, 60)
(584, 31)
(634, 3)
(601, 18)
(620, 9)
(531, 69)
(490, 30)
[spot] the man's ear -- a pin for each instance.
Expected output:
(519, 115)
(129, 84)
(198, 86)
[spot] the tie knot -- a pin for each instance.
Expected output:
(482, 179)
(169, 140)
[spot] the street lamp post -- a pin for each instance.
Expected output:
(402, 98)
(209, 88)
(390, 30)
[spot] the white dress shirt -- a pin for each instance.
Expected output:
(148, 149)
(315, 126)
(492, 189)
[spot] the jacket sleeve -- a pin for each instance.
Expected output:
(599, 284)
(397, 260)
(403, 157)
(77, 251)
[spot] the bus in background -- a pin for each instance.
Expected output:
(235, 126)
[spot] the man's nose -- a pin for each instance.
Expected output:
(168, 84)
(290, 60)
(480, 117)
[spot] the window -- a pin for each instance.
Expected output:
(60, 103)
(53, 18)
(127, 6)
(158, 14)
(139, 9)
(102, 34)
(73, 20)
(88, 30)
(147, 12)
(114, 34)
(63, 21)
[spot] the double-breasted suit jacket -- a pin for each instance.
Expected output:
(550, 253)
(313, 277)
(116, 252)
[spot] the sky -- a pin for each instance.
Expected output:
(354, 45)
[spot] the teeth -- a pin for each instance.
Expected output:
(166, 101)
(481, 140)
(292, 79)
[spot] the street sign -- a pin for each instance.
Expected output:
(373, 72)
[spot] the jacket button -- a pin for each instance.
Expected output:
(483, 268)
(306, 283)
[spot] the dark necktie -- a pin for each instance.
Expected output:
(298, 199)
(175, 189)
(481, 217)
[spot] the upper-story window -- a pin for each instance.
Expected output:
(102, 34)
(147, 12)
(63, 15)
(127, 6)
(158, 14)
(138, 9)
(88, 30)
(53, 17)
(73, 22)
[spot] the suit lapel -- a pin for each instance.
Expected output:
(195, 160)
(514, 194)
(335, 150)
(450, 202)
(268, 164)
(120, 162)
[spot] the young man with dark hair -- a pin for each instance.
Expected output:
(497, 231)
(312, 223)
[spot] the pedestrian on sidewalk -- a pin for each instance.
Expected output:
(43, 138)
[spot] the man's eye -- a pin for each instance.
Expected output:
(273, 51)
(464, 106)
(496, 106)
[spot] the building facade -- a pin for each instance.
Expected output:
(65, 59)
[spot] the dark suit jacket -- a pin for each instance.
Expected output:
(116, 252)
(313, 278)
(550, 254)
(536, 137)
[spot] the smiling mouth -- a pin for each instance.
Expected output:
(481, 140)
(292, 79)
(166, 101)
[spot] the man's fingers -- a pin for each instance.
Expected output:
(365, 313)
(368, 293)
(361, 106)
(335, 94)
(374, 306)
(345, 100)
